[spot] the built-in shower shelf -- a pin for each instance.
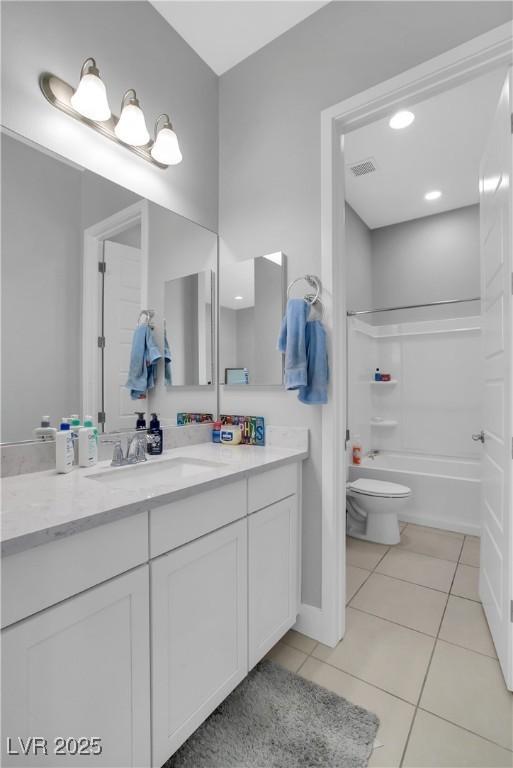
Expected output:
(384, 423)
(384, 383)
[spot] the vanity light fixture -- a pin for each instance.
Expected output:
(131, 126)
(166, 149)
(401, 119)
(88, 104)
(90, 98)
(433, 195)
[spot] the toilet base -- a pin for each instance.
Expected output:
(381, 527)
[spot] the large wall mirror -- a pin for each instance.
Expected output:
(251, 306)
(84, 262)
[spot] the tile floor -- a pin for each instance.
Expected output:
(417, 652)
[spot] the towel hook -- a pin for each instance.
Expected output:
(314, 282)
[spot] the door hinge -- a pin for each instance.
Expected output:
(511, 612)
(101, 417)
(101, 342)
(102, 267)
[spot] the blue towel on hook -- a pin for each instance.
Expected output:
(292, 343)
(316, 390)
(142, 373)
(167, 361)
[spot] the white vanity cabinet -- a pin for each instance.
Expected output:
(134, 631)
(199, 633)
(272, 575)
(81, 669)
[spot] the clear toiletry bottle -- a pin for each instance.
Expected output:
(75, 426)
(45, 431)
(154, 436)
(87, 445)
(64, 449)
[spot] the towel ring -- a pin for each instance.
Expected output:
(313, 282)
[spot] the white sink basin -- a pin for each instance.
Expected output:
(155, 473)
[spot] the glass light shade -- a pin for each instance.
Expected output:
(401, 119)
(131, 126)
(90, 98)
(166, 149)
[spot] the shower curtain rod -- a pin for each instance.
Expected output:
(352, 313)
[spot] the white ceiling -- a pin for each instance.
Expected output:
(441, 150)
(225, 32)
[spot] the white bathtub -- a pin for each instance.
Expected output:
(446, 492)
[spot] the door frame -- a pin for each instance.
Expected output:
(94, 237)
(458, 65)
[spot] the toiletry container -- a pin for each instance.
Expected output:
(75, 425)
(231, 434)
(45, 431)
(87, 446)
(216, 432)
(357, 450)
(64, 449)
(141, 420)
(377, 375)
(154, 436)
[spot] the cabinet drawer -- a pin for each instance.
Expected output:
(45, 575)
(267, 487)
(181, 521)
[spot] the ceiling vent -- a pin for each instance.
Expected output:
(363, 167)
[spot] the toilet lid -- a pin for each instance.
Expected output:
(369, 487)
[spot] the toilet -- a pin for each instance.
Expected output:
(373, 509)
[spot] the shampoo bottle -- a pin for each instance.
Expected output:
(64, 449)
(357, 450)
(45, 431)
(87, 446)
(154, 436)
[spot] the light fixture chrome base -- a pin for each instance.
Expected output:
(58, 93)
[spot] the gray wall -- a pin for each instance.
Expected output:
(269, 190)
(359, 262)
(134, 48)
(428, 259)
(268, 366)
(41, 259)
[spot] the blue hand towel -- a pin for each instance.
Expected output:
(316, 390)
(167, 361)
(291, 342)
(143, 362)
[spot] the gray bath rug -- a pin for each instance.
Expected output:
(276, 719)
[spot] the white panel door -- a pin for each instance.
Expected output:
(79, 669)
(199, 633)
(273, 557)
(496, 575)
(122, 305)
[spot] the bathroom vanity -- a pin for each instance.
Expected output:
(135, 599)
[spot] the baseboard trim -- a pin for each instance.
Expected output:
(445, 525)
(310, 622)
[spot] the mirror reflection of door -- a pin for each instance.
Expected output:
(251, 306)
(121, 306)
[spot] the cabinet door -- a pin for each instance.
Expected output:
(81, 669)
(199, 633)
(273, 557)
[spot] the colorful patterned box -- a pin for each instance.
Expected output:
(182, 419)
(253, 428)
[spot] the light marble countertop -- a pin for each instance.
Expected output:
(44, 506)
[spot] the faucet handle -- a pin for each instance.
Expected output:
(117, 454)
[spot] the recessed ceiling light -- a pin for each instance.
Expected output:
(401, 119)
(433, 195)
(238, 298)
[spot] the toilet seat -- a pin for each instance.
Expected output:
(369, 487)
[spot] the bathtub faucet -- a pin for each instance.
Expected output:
(372, 454)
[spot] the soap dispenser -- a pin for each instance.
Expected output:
(141, 420)
(154, 436)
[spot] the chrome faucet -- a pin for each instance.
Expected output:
(135, 450)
